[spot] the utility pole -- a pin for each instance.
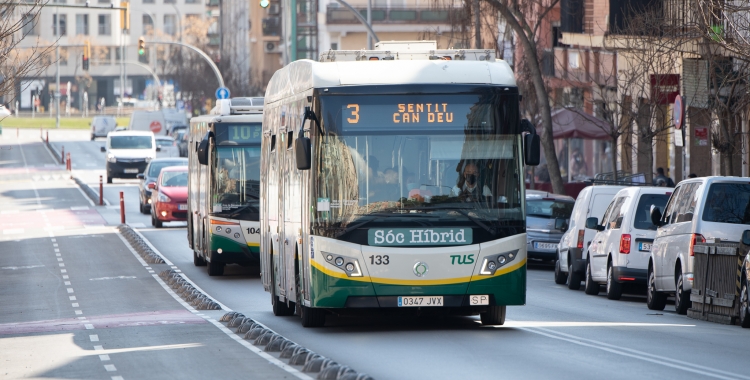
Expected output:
(57, 69)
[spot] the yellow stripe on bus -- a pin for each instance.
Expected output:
(392, 281)
(253, 244)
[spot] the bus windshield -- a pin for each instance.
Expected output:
(463, 172)
(236, 182)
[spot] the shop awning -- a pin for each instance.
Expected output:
(570, 123)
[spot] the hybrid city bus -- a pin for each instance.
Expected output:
(223, 186)
(393, 179)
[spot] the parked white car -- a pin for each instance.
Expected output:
(168, 147)
(701, 210)
(571, 259)
(621, 248)
(101, 125)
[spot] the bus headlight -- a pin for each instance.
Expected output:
(348, 265)
(494, 262)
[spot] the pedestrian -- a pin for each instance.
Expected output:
(660, 175)
(692, 175)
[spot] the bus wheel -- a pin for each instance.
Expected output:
(311, 317)
(495, 315)
(215, 268)
(280, 309)
(198, 261)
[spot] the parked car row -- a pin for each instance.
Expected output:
(645, 236)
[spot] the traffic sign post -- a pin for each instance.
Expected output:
(222, 93)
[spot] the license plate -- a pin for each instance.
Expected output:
(538, 245)
(479, 300)
(645, 247)
(182, 206)
(132, 170)
(420, 301)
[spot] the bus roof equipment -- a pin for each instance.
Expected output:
(238, 106)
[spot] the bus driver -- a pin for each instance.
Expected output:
(467, 188)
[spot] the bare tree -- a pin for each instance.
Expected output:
(18, 22)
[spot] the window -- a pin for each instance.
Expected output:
(613, 218)
(82, 25)
(148, 1)
(574, 59)
(105, 25)
(549, 208)
(29, 25)
(104, 55)
(63, 25)
(191, 1)
(169, 1)
(671, 206)
(334, 46)
(170, 24)
(728, 203)
(685, 204)
(148, 24)
(63, 57)
(642, 220)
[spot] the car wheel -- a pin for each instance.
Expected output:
(681, 297)
(495, 315)
(198, 261)
(560, 277)
(744, 304)
(614, 288)
(574, 279)
(155, 221)
(591, 287)
(93, 137)
(145, 209)
(654, 300)
(215, 268)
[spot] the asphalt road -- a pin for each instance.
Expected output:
(559, 334)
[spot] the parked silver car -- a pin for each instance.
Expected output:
(547, 219)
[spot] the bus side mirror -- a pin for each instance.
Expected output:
(746, 237)
(592, 223)
(561, 224)
(302, 152)
(203, 149)
(531, 150)
(656, 216)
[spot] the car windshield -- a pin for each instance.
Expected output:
(156, 166)
(728, 203)
(164, 141)
(130, 142)
(174, 179)
(642, 220)
(236, 181)
(549, 208)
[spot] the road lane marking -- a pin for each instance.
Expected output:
(61, 265)
(63, 271)
(65, 277)
(59, 259)
(89, 326)
(94, 337)
(112, 278)
(70, 290)
(72, 298)
(74, 305)
(635, 354)
(13, 231)
(78, 312)
(104, 358)
(67, 283)
(23, 267)
(79, 208)
(110, 367)
(9, 212)
(117, 378)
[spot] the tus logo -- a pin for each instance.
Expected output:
(462, 259)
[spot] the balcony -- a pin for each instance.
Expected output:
(340, 15)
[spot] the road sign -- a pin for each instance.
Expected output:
(222, 93)
(155, 126)
(678, 112)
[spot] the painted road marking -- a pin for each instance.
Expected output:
(8, 212)
(59, 259)
(89, 326)
(70, 290)
(111, 278)
(79, 208)
(65, 277)
(61, 265)
(104, 358)
(13, 231)
(63, 271)
(23, 267)
(78, 312)
(94, 338)
(117, 378)
(72, 298)
(110, 368)
(74, 305)
(67, 283)
(98, 348)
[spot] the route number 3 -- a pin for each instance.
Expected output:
(355, 113)
(380, 260)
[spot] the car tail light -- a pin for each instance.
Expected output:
(697, 238)
(151, 185)
(580, 238)
(625, 244)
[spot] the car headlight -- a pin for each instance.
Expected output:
(163, 198)
(111, 158)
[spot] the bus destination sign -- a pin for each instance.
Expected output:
(231, 134)
(427, 114)
(419, 236)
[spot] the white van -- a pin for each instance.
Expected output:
(128, 153)
(101, 125)
(151, 121)
(571, 259)
(621, 248)
(701, 210)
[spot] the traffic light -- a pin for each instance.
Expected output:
(86, 55)
(125, 15)
(141, 45)
(264, 3)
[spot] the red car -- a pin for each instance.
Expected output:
(169, 197)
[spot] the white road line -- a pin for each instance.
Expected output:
(61, 265)
(636, 354)
(66, 283)
(59, 259)
(117, 378)
(9, 212)
(89, 326)
(98, 348)
(65, 277)
(79, 208)
(110, 367)
(57, 254)
(23, 267)
(78, 312)
(13, 231)
(94, 337)
(63, 271)
(104, 358)
(166, 261)
(74, 305)
(54, 240)
(70, 290)
(26, 167)
(72, 298)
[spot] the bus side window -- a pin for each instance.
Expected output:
(289, 139)
(273, 143)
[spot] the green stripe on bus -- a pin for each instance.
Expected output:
(228, 245)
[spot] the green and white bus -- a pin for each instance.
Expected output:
(223, 186)
(392, 179)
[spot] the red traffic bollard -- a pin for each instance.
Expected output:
(68, 165)
(62, 156)
(101, 191)
(47, 137)
(122, 208)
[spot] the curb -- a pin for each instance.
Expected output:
(298, 356)
(93, 195)
(139, 245)
(52, 149)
